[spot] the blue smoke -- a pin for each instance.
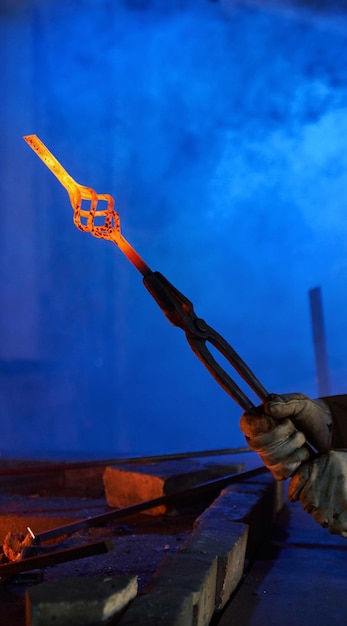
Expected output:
(220, 129)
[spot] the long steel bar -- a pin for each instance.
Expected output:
(53, 558)
(85, 219)
(177, 498)
(57, 466)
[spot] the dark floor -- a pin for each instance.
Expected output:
(299, 578)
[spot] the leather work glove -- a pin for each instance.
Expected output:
(279, 429)
(321, 486)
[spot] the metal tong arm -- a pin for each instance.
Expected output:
(180, 312)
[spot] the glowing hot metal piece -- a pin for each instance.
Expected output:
(30, 532)
(105, 224)
(100, 222)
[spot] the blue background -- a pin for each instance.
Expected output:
(220, 129)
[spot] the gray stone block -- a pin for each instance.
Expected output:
(78, 601)
(227, 542)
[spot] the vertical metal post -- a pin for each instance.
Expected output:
(319, 341)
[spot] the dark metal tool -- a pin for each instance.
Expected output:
(180, 312)
(53, 558)
(191, 495)
(36, 556)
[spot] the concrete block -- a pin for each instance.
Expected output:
(181, 593)
(196, 574)
(79, 601)
(228, 541)
(201, 576)
(126, 485)
(255, 504)
(160, 606)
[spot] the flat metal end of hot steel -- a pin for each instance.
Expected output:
(99, 217)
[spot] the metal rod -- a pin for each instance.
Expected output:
(178, 497)
(53, 558)
(44, 466)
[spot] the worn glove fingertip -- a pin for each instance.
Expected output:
(296, 485)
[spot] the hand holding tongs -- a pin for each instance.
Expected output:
(101, 220)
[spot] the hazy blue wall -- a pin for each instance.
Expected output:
(220, 128)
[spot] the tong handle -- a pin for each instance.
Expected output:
(199, 347)
(180, 312)
(219, 374)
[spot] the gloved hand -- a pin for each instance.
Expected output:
(278, 430)
(321, 486)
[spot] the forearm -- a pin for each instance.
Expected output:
(338, 409)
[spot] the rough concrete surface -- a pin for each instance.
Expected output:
(79, 601)
(128, 484)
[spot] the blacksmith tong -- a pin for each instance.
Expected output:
(180, 312)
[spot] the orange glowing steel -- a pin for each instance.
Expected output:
(100, 222)
(104, 223)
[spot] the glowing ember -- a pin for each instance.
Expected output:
(15, 544)
(101, 222)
